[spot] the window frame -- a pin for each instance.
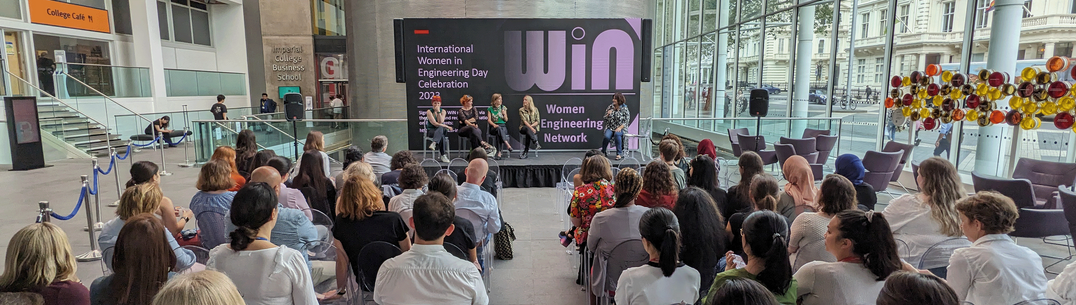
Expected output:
(948, 16)
(982, 17)
(905, 10)
(864, 25)
(190, 16)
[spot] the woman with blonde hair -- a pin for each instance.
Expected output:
(140, 199)
(361, 209)
(199, 288)
(39, 260)
(530, 121)
(226, 154)
(315, 142)
(498, 121)
(355, 168)
(929, 217)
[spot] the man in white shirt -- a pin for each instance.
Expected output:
(338, 109)
(377, 158)
(428, 274)
(994, 270)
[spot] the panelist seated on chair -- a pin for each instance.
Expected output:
(929, 217)
(139, 199)
(529, 125)
(994, 270)
(429, 274)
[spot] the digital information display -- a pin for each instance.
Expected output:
(570, 67)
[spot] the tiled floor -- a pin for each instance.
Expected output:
(541, 273)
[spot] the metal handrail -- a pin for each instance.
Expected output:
(229, 129)
(88, 117)
(273, 127)
(105, 96)
(100, 65)
(221, 123)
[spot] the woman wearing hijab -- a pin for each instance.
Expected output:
(800, 192)
(706, 147)
(851, 167)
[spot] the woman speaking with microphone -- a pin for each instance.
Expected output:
(615, 120)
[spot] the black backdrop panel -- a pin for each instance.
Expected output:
(570, 67)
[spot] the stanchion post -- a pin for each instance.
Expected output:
(43, 211)
(116, 174)
(164, 167)
(130, 152)
(97, 224)
(186, 129)
(95, 253)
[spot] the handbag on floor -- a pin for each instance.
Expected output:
(502, 242)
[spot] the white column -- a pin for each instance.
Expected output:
(147, 47)
(801, 94)
(1048, 50)
(922, 62)
(1004, 33)
(722, 64)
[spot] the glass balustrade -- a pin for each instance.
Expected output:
(204, 83)
(277, 135)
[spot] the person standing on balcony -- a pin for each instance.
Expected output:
(219, 110)
(268, 105)
(338, 109)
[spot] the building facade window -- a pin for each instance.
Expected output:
(864, 25)
(1027, 8)
(861, 70)
(947, 16)
(878, 64)
(821, 46)
(185, 21)
(883, 18)
(328, 17)
(903, 18)
(982, 17)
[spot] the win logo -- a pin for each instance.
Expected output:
(553, 44)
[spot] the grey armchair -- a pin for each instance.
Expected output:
(804, 147)
(880, 167)
(1045, 177)
(892, 146)
(811, 133)
(732, 132)
(757, 144)
(825, 144)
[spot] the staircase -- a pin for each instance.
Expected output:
(76, 129)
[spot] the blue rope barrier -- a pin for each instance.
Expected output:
(181, 139)
(111, 164)
(81, 197)
(126, 154)
(93, 191)
(148, 144)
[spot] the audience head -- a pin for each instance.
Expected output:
(902, 288)
(402, 158)
(704, 229)
(432, 216)
(703, 173)
(800, 180)
(592, 152)
(476, 171)
(359, 198)
(199, 288)
(262, 157)
(141, 261)
(246, 143)
(661, 237)
(311, 173)
(864, 235)
(477, 153)
(215, 175)
(750, 164)
(851, 167)
(281, 164)
(138, 199)
(142, 172)
(627, 187)
(358, 169)
(669, 150)
(253, 210)
(742, 291)
(596, 168)
(315, 141)
(763, 193)
(379, 143)
(680, 154)
(765, 235)
(706, 147)
(412, 176)
(352, 154)
(37, 255)
(267, 175)
(444, 184)
(658, 179)
(619, 99)
(938, 180)
(226, 154)
(986, 213)
(836, 194)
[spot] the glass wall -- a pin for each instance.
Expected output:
(328, 17)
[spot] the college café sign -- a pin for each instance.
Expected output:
(68, 15)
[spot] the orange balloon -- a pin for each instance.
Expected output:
(997, 116)
(958, 114)
(889, 102)
(933, 70)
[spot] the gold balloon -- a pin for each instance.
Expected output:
(981, 89)
(1049, 108)
(922, 93)
(947, 76)
(937, 101)
(1066, 103)
(1031, 123)
(995, 94)
(917, 103)
(972, 115)
(956, 95)
(907, 112)
(1029, 73)
(1030, 108)
(1016, 102)
(983, 121)
(906, 82)
(924, 113)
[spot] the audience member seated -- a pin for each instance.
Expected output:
(463, 236)
(360, 209)
(1063, 287)
(355, 169)
(611, 227)
(488, 185)
(903, 288)
(352, 154)
(670, 153)
(851, 167)
(681, 160)
(866, 254)
(226, 155)
(142, 262)
(706, 147)
(316, 187)
(292, 228)
(764, 234)
(763, 194)
(577, 179)
(289, 197)
(428, 274)
(663, 280)
(138, 199)
(199, 288)
(659, 188)
(994, 270)
(412, 178)
(213, 195)
(742, 291)
(399, 160)
(480, 203)
(708, 181)
(262, 158)
(927, 218)
(750, 165)
(837, 194)
(246, 147)
(377, 158)
(174, 218)
(800, 193)
(39, 260)
(315, 145)
(264, 273)
(595, 195)
(702, 233)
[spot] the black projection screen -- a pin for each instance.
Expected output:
(570, 67)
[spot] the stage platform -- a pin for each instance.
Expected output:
(543, 170)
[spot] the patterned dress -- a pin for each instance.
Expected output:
(587, 201)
